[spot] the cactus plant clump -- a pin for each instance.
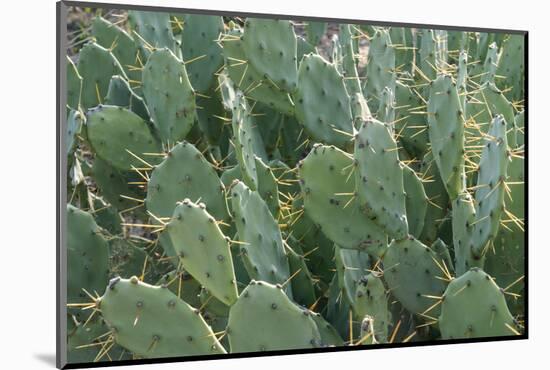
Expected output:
(249, 184)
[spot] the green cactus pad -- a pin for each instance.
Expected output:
(490, 65)
(386, 108)
(293, 145)
(512, 66)
(185, 173)
(74, 85)
(87, 259)
(203, 249)
(443, 254)
(303, 47)
(75, 121)
(310, 238)
(120, 93)
(231, 174)
(303, 289)
(322, 103)
(198, 44)
(519, 128)
(325, 173)
(380, 67)
(262, 249)
(96, 65)
(426, 58)
(247, 78)
(402, 41)
(315, 32)
(183, 285)
(463, 218)
(379, 178)
(457, 41)
(489, 317)
(113, 184)
(270, 48)
(80, 350)
(212, 305)
(268, 122)
(409, 122)
(169, 95)
(351, 267)
(507, 262)
(152, 322)
(371, 299)
(151, 30)
(338, 310)
(267, 187)
(243, 141)
(462, 78)
(413, 276)
(114, 131)
(265, 319)
(416, 201)
(105, 215)
(441, 50)
(349, 65)
(491, 187)
(212, 116)
(122, 45)
(446, 131)
(483, 106)
(438, 198)
(329, 335)
(129, 259)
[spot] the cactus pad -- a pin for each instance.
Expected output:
(203, 249)
(379, 178)
(264, 319)
(489, 317)
(152, 322)
(114, 132)
(169, 95)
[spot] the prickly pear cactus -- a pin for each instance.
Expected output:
(415, 276)
(379, 178)
(330, 200)
(74, 85)
(169, 95)
(446, 130)
(261, 243)
(322, 103)
(121, 138)
(200, 50)
(371, 298)
(380, 66)
(273, 184)
(203, 249)
(265, 319)
(490, 317)
(270, 46)
(96, 65)
(152, 322)
(121, 44)
(151, 30)
(87, 259)
(185, 173)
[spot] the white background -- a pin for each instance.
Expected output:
(27, 186)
